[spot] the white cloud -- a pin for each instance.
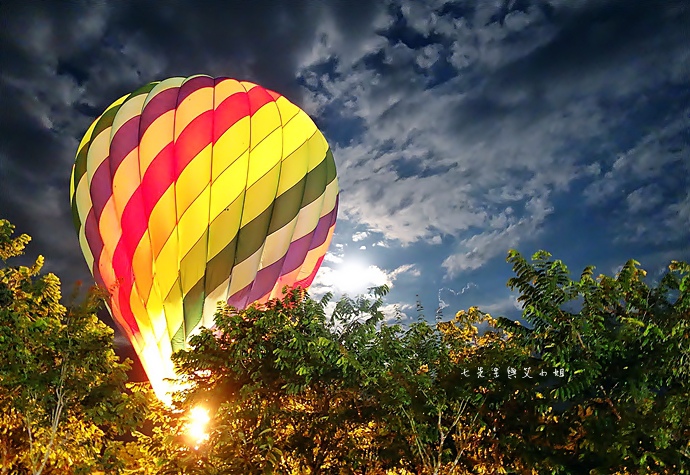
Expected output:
(330, 257)
(362, 248)
(502, 306)
(355, 278)
(643, 179)
(508, 232)
(644, 198)
(444, 161)
(442, 303)
(410, 269)
(428, 56)
(360, 236)
(392, 312)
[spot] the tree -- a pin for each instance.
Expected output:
(62, 394)
(293, 391)
(595, 382)
(624, 349)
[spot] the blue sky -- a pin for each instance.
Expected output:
(460, 129)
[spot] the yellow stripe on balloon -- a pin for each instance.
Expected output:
(173, 307)
(142, 316)
(225, 89)
(227, 188)
(317, 151)
(151, 142)
(243, 273)
(193, 180)
(296, 165)
(278, 243)
(330, 197)
(191, 107)
(192, 226)
(260, 195)
(110, 231)
(83, 197)
(247, 85)
(230, 146)
(308, 218)
(167, 265)
(266, 142)
(287, 110)
(297, 131)
(313, 256)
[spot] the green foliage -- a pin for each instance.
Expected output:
(623, 346)
(62, 393)
(293, 390)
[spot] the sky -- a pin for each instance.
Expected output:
(460, 129)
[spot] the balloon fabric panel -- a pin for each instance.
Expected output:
(193, 190)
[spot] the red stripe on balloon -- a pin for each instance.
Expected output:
(163, 171)
(306, 282)
(258, 97)
(193, 139)
(273, 94)
(228, 113)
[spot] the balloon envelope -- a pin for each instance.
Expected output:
(191, 191)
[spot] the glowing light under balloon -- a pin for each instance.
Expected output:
(196, 427)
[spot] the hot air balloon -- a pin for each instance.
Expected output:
(195, 190)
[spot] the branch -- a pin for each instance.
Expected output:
(459, 454)
(28, 423)
(57, 412)
(418, 444)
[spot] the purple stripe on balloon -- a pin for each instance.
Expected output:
(160, 104)
(265, 279)
(101, 187)
(321, 233)
(192, 85)
(93, 238)
(124, 141)
(294, 257)
(239, 299)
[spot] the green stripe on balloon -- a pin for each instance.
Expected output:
(219, 268)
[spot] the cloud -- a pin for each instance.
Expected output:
(331, 257)
(442, 304)
(502, 306)
(360, 236)
(506, 231)
(393, 312)
(450, 153)
(456, 123)
(647, 182)
(353, 278)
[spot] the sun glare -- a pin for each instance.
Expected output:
(355, 277)
(196, 427)
(349, 277)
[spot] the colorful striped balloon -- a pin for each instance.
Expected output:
(191, 191)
